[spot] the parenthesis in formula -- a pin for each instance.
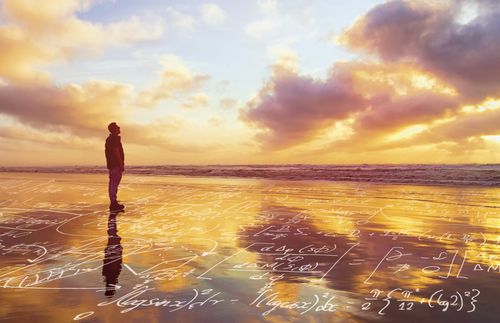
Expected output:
(461, 302)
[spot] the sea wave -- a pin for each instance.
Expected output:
(415, 174)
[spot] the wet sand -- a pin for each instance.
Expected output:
(246, 250)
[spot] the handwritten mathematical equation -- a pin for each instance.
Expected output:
(406, 300)
(345, 249)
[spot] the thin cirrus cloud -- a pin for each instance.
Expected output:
(423, 66)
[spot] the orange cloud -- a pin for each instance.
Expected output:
(18, 132)
(465, 130)
(176, 78)
(76, 117)
(81, 110)
(21, 56)
(35, 35)
(196, 101)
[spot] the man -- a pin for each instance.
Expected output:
(115, 160)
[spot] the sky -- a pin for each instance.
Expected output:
(250, 82)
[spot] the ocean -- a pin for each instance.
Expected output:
(485, 175)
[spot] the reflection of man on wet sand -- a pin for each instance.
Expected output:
(112, 263)
(115, 161)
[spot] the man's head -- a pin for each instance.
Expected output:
(114, 128)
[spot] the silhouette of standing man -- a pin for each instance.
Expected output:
(115, 160)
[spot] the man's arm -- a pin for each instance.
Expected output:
(116, 153)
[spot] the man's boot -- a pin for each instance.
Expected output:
(115, 206)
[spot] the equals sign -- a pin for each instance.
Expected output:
(356, 262)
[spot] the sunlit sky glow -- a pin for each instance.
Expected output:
(239, 82)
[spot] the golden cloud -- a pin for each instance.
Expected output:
(196, 101)
(79, 109)
(35, 35)
(176, 78)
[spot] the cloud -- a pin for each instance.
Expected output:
(428, 66)
(154, 134)
(267, 6)
(286, 60)
(79, 115)
(176, 78)
(34, 36)
(379, 126)
(395, 112)
(133, 30)
(379, 101)
(81, 110)
(21, 57)
(222, 86)
(212, 14)
(461, 130)
(228, 103)
(57, 23)
(420, 118)
(261, 28)
(196, 101)
(216, 121)
(463, 55)
(179, 19)
(143, 143)
(17, 132)
(291, 109)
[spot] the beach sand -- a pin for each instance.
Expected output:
(246, 250)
